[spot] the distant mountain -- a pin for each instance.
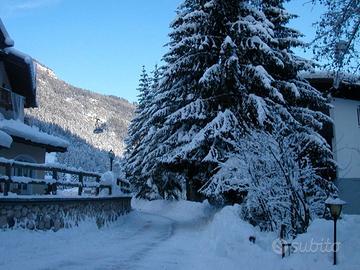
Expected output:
(74, 114)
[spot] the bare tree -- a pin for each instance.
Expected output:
(338, 35)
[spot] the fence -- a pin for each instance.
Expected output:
(54, 182)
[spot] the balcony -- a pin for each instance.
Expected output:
(11, 104)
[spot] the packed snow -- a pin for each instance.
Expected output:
(33, 134)
(177, 235)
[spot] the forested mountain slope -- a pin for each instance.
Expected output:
(72, 113)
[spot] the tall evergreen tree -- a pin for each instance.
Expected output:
(190, 114)
(135, 132)
(139, 128)
(230, 73)
(306, 105)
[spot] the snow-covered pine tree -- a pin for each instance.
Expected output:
(194, 124)
(229, 72)
(269, 73)
(307, 107)
(135, 132)
(138, 129)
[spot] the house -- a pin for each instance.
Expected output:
(344, 135)
(19, 141)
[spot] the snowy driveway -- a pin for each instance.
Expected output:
(135, 241)
(174, 236)
(123, 245)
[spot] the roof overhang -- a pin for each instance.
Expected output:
(347, 89)
(21, 73)
(26, 134)
(48, 148)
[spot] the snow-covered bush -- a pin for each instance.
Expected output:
(108, 178)
(277, 181)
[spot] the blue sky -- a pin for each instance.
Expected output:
(101, 45)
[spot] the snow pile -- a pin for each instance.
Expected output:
(69, 192)
(228, 234)
(175, 210)
(108, 178)
(19, 129)
(5, 140)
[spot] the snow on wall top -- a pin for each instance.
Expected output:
(5, 139)
(19, 129)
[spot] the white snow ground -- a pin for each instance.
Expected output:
(176, 235)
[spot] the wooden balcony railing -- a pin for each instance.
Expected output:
(54, 182)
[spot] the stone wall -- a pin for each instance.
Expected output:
(56, 213)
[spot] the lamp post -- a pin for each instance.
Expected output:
(111, 155)
(335, 205)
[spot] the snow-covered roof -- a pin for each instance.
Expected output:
(18, 129)
(19, 68)
(5, 40)
(325, 74)
(21, 73)
(342, 85)
(5, 140)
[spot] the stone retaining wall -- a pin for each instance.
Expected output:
(56, 213)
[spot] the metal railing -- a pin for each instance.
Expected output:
(54, 182)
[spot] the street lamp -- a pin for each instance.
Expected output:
(335, 205)
(111, 156)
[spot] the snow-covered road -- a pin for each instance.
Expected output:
(175, 236)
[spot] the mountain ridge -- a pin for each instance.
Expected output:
(71, 112)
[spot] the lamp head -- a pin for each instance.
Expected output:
(335, 205)
(111, 154)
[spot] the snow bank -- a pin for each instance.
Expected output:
(228, 234)
(108, 178)
(19, 129)
(176, 210)
(5, 140)
(223, 242)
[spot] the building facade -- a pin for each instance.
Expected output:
(19, 141)
(344, 134)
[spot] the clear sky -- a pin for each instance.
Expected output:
(101, 45)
